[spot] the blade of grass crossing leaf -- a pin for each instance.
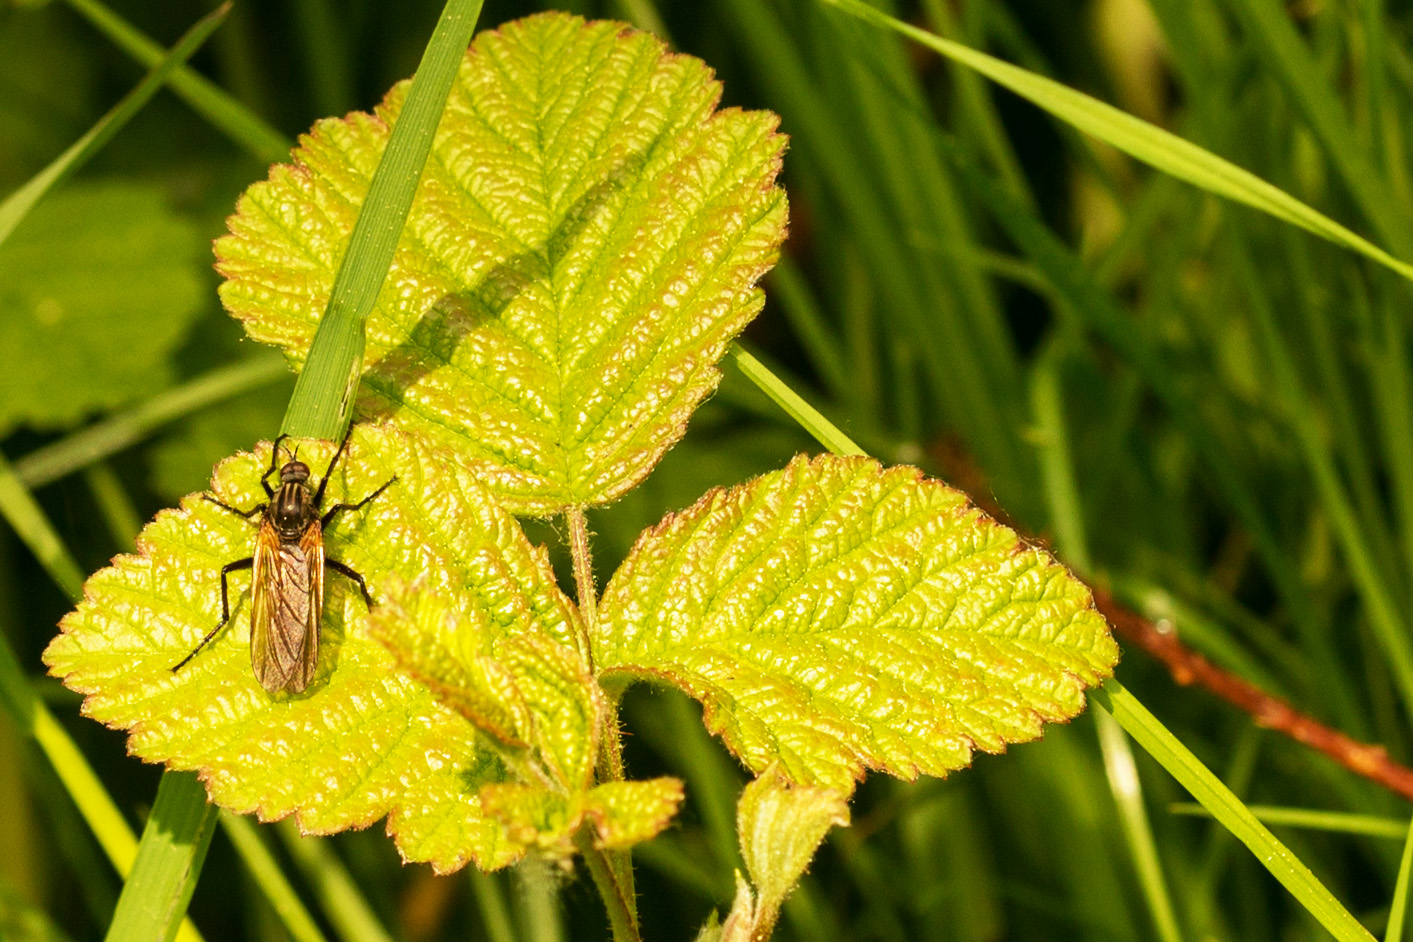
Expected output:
(324, 391)
(1398, 911)
(343, 904)
(174, 844)
(1139, 139)
(1128, 793)
(794, 405)
(18, 203)
(271, 879)
(209, 100)
(112, 435)
(1229, 810)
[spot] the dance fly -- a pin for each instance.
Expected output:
(287, 579)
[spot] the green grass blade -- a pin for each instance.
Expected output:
(271, 879)
(1145, 142)
(1336, 822)
(810, 419)
(33, 719)
(349, 913)
(227, 114)
(324, 392)
(27, 519)
(18, 203)
(107, 438)
(1384, 613)
(174, 844)
(1279, 45)
(1398, 911)
(1128, 794)
(1229, 810)
(24, 514)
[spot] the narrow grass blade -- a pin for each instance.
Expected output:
(1398, 911)
(1338, 822)
(271, 879)
(1280, 47)
(344, 905)
(23, 513)
(324, 392)
(112, 435)
(1152, 145)
(18, 203)
(1128, 794)
(209, 100)
(824, 431)
(174, 844)
(1229, 810)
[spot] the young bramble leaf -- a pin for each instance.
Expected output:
(838, 616)
(536, 697)
(583, 246)
(530, 692)
(621, 813)
(365, 740)
(780, 825)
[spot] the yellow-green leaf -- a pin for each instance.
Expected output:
(838, 616)
(364, 740)
(584, 244)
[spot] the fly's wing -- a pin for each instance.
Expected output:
(287, 600)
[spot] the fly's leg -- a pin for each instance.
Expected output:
(226, 570)
(351, 573)
(319, 494)
(274, 462)
(324, 520)
(247, 514)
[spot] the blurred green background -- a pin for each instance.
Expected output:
(1203, 409)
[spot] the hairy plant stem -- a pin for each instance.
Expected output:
(583, 579)
(618, 898)
(612, 870)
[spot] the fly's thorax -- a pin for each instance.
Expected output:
(292, 510)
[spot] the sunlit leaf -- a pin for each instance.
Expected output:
(780, 825)
(365, 740)
(97, 287)
(583, 246)
(837, 616)
(536, 698)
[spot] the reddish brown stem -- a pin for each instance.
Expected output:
(1189, 667)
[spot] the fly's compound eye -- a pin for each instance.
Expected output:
(294, 472)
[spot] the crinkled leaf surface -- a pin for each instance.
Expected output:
(365, 740)
(97, 287)
(531, 692)
(838, 616)
(536, 697)
(584, 244)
